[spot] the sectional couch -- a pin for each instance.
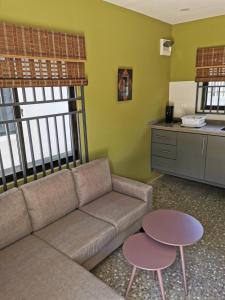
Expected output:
(55, 229)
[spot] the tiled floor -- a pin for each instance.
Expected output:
(205, 260)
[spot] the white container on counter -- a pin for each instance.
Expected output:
(193, 120)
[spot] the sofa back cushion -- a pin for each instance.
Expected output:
(14, 219)
(92, 180)
(50, 198)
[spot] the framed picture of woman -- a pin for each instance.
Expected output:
(125, 84)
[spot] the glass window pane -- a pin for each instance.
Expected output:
(39, 94)
(56, 93)
(216, 94)
(38, 111)
(47, 109)
(29, 95)
(65, 92)
(48, 93)
(6, 114)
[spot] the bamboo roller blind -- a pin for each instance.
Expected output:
(37, 57)
(210, 64)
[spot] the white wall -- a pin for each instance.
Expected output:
(182, 94)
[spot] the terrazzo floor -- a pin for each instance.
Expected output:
(205, 261)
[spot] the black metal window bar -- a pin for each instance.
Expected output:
(210, 98)
(35, 145)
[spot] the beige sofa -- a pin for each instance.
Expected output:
(56, 228)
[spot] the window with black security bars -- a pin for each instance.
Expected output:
(210, 98)
(42, 130)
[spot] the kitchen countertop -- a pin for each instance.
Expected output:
(212, 127)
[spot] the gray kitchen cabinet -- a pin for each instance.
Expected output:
(195, 156)
(164, 150)
(164, 137)
(191, 152)
(163, 164)
(215, 160)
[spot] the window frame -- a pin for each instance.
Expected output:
(201, 102)
(72, 107)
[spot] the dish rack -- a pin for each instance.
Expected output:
(193, 121)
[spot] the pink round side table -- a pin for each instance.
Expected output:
(145, 253)
(173, 228)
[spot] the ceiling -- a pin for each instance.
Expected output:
(175, 11)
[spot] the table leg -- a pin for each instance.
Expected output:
(131, 281)
(161, 284)
(183, 268)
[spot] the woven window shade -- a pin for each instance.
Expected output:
(37, 57)
(210, 64)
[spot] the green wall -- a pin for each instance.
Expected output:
(188, 37)
(114, 37)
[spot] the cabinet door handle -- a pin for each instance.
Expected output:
(203, 146)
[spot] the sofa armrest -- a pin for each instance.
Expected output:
(132, 188)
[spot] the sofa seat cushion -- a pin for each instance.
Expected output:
(14, 220)
(92, 180)
(31, 269)
(78, 235)
(117, 209)
(50, 198)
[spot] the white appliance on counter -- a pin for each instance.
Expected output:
(196, 121)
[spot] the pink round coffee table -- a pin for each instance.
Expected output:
(145, 253)
(173, 228)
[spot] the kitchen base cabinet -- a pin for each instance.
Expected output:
(163, 164)
(164, 150)
(195, 156)
(215, 160)
(191, 151)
